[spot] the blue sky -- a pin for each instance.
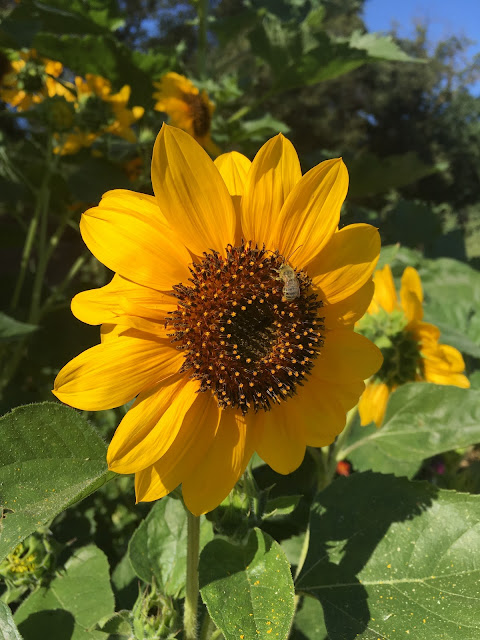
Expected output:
(443, 17)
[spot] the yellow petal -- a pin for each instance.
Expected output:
(151, 425)
(432, 374)
(135, 242)
(385, 295)
(189, 447)
(156, 328)
(323, 408)
(427, 334)
(174, 84)
(98, 306)
(274, 172)
(373, 403)
(311, 212)
(347, 356)
(191, 193)
(218, 470)
(111, 331)
(112, 373)
(280, 443)
(233, 168)
(443, 358)
(347, 312)
(411, 295)
(346, 263)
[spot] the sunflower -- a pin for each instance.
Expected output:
(196, 326)
(187, 107)
(30, 80)
(98, 112)
(410, 346)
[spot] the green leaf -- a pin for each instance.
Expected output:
(8, 629)
(371, 174)
(260, 129)
(158, 548)
(82, 591)
(309, 621)
(390, 558)
(381, 47)
(11, 329)
(19, 28)
(248, 589)
(446, 279)
(422, 420)
(119, 626)
(303, 54)
(298, 57)
(281, 506)
(78, 35)
(49, 459)
(398, 258)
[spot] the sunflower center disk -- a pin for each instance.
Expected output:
(241, 338)
(402, 360)
(200, 114)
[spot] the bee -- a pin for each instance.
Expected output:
(291, 285)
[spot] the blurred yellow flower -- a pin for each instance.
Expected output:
(410, 346)
(98, 111)
(197, 325)
(31, 79)
(187, 108)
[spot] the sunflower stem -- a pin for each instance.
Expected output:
(208, 628)
(191, 588)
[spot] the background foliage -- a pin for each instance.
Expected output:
(392, 549)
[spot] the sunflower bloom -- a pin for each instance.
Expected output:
(198, 327)
(187, 108)
(410, 346)
(30, 80)
(99, 112)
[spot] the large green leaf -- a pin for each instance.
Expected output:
(158, 548)
(380, 47)
(11, 329)
(371, 174)
(452, 301)
(50, 457)
(8, 629)
(19, 28)
(451, 291)
(303, 54)
(422, 420)
(309, 621)
(390, 558)
(248, 589)
(74, 602)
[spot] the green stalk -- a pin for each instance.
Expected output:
(202, 12)
(72, 272)
(43, 253)
(208, 628)
(31, 234)
(191, 588)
